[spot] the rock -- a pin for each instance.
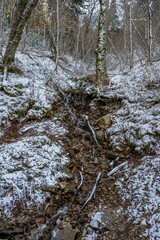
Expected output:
(100, 134)
(65, 232)
(40, 221)
(104, 219)
(105, 121)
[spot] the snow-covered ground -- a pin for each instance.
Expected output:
(141, 187)
(33, 162)
(137, 124)
(33, 93)
(30, 165)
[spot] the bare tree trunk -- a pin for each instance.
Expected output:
(150, 31)
(48, 30)
(1, 25)
(130, 37)
(57, 35)
(21, 15)
(101, 72)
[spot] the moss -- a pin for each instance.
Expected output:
(48, 113)
(12, 69)
(36, 107)
(23, 111)
(16, 70)
(15, 169)
(1, 68)
(31, 103)
(19, 86)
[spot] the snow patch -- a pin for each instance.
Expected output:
(141, 187)
(30, 166)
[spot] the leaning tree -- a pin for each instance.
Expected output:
(22, 13)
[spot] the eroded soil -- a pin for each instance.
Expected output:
(87, 159)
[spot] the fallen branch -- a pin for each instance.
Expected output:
(7, 234)
(93, 190)
(95, 160)
(81, 182)
(92, 130)
(116, 169)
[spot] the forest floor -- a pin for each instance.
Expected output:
(58, 136)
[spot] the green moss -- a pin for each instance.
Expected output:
(16, 70)
(1, 68)
(19, 86)
(31, 103)
(36, 107)
(48, 113)
(12, 69)
(23, 111)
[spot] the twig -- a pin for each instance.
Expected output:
(5, 73)
(92, 130)
(93, 190)
(81, 182)
(116, 169)
(95, 160)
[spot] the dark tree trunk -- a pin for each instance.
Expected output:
(23, 10)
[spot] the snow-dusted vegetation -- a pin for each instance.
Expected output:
(137, 121)
(79, 120)
(137, 124)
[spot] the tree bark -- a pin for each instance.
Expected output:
(101, 71)
(130, 36)
(1, 25)
(23, 10)
(150, 31)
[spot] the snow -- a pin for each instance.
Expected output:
(96, 219)
(35, 91)
(30, 165)
(141, 187)
(137, 123)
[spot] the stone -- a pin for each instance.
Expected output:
(65, 232)
(40, 221)
(105, 121)
(100, 134)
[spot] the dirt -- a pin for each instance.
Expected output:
(87, 159)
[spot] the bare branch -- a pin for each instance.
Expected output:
(93, 190)
(81, 182)
(114, 170)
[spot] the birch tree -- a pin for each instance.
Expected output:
(130, 36)
(1, 25)
(150, 31)
(23, 10)
(101, 71)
